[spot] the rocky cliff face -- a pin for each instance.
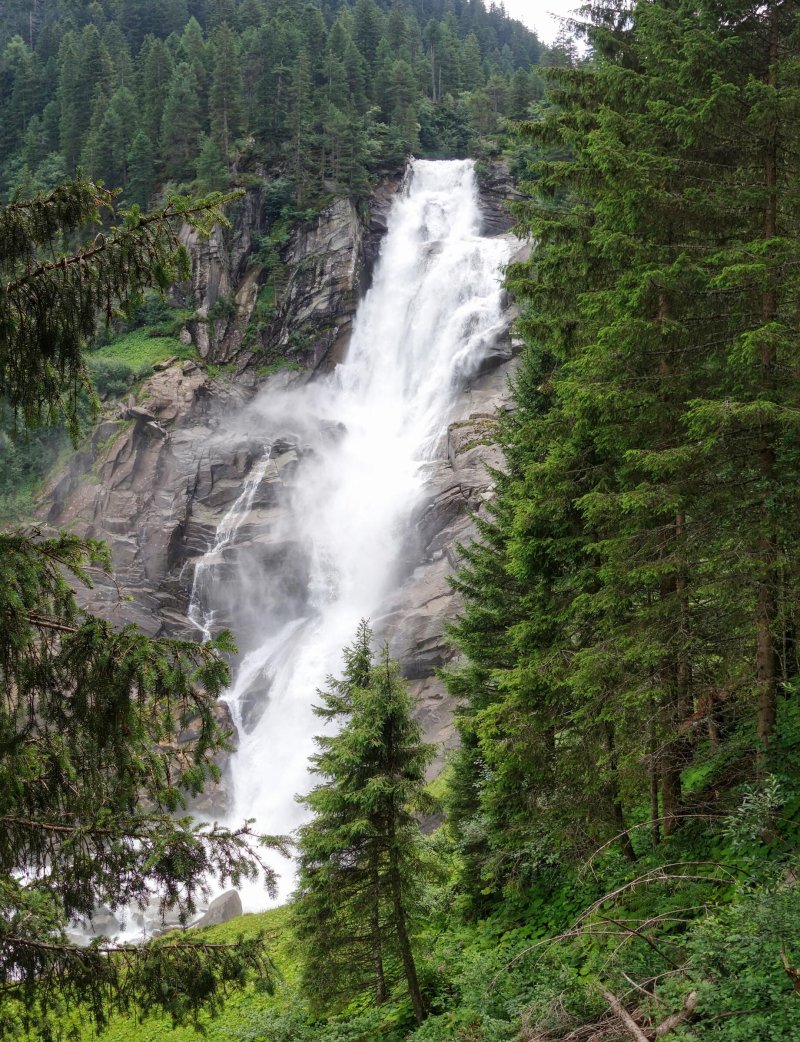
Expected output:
(324, 269)
(155, 480)
(162, 472)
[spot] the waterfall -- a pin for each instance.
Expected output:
(200, 614)
(434, 309)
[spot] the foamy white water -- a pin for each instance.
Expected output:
(434, 310)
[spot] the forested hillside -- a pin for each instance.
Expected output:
(146, 93)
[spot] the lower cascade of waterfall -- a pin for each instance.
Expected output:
(375, 426)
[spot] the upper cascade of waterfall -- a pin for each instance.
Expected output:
(434, 310)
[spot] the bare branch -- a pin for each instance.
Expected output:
(624, 1017)
(676, 1019)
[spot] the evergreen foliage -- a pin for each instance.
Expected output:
(621, 849)
(93, 780)
(360, 857)
(322, 91)
(629, 658)
(51, 301)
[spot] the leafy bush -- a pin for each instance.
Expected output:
(741, 962)
(114, 377)
(277, 195)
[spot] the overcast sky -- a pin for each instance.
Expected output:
(537, 14)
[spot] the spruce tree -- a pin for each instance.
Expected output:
(360, 860)
(301, 123)
(652, 524)
(471, 64)
(156, 69)
(141, 170)
(225, 96)
(85, 71)
(367, 30)
(22, 68)
(180, 125)
(212, 172)
(92, 792)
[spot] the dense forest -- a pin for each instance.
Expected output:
(618, 857)
(142, 94)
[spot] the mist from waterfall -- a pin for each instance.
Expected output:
(375, 425)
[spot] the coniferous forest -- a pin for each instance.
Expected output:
(612, 852)
(140, 94)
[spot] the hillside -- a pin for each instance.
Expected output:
(146, 94)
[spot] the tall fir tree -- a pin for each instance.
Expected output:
(225, 96)
(656, 594)
(180, 125)
(141, 170)
(360, 859)
(156, 69)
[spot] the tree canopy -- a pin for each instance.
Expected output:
(324, 91)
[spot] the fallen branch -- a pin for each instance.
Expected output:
(623, 1016)
(792, 973)
(676, 1019)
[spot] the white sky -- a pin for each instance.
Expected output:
(537, 14)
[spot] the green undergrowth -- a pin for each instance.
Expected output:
(241, 1006)
(278, 365)
(540, 959)
(712, 910)
(117, 367)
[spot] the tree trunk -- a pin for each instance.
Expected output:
(375, 929)
(614, 794)
(676, 670)
(670, 796)
(654, 780)
(679, 750)
(401, 930)
(766, 676)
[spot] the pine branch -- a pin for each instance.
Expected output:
(108, 242)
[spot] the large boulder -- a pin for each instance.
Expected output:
(221, 910)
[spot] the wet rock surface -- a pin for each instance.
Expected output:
(497, 191)
(414, 618)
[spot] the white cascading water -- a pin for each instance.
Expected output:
(435, 307)
(200, 614)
